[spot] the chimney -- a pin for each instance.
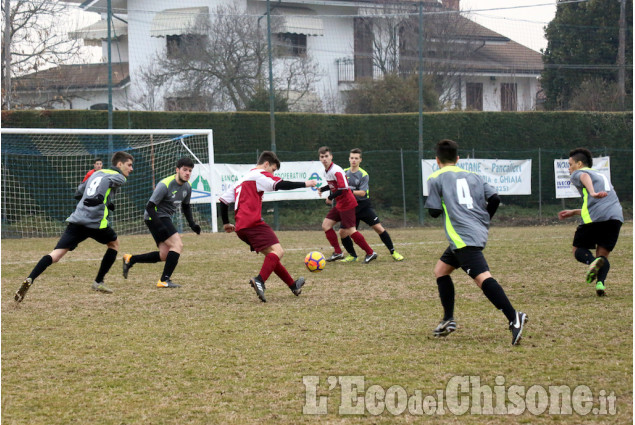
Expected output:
(452, 4)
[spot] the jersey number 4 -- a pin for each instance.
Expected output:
(463, 192)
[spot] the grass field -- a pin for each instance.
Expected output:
(210, 352)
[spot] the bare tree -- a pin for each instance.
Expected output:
(224, 62)
(32, 39)
(448, 42)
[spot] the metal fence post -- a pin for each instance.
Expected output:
(403, 188)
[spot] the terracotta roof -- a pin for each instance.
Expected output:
(64, 77)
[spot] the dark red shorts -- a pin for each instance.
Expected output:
(346, 217)
(258, 237)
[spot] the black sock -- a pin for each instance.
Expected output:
(385, 238)
(495, 293)
(583, 255)
(347, 242)
(446, 293)
(170, 264)
(150, 257)
(604, 270)
(39, 268)
(109, 259)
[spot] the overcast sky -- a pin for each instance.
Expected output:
(521, 20)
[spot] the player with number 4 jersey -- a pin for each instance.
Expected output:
(467, 204)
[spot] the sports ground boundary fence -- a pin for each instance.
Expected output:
(394, 189)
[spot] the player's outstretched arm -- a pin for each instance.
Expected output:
(289, 185)
(568, 213)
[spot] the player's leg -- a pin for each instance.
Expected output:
(170, 252)
(474, 264)
(584, 240)
(53, 257)
(348, 229)
(72, 236)
(327, 226)
(158, 235)
(607, 239)
(387, 240)
(442, 271)
(273, 263)
(109, 238)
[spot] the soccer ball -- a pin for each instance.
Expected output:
(315, 261)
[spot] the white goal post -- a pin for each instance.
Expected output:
(41, 168)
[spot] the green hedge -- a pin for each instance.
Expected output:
(239, 136)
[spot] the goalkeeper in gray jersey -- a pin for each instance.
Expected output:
(601, 217)
(467, 204)
(89, 220)
(170, 193)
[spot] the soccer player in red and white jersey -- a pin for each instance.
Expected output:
(251, 228)
(343, 211)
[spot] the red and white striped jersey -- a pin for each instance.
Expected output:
(247, 197)
(336, 179)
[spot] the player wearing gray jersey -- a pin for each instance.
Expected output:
(358, 181)
(601, 218)
(169, 194)
(89, 220)
(467, 204)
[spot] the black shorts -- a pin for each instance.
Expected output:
(159, 233)
(367, 214)
(76, 234)
(470, 259)
(601, 233)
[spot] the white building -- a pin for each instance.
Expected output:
(493, 73)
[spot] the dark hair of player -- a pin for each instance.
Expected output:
(447, 151)
(323, 150)
(185, 162)
(357, 150)
(270, 157)
(582, 154)
(97, 160)
(121, 157)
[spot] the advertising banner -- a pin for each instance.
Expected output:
(507, 176)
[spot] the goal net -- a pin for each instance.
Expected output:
(41, 169)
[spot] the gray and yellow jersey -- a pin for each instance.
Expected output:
(462, 196)
(105, 183)
(359, 180)
(600, 209)
(168, 196)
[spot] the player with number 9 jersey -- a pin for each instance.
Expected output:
(462, 196)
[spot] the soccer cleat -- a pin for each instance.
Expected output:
(259, 287)
(20, 293)
(348, 259)
(517, 326)
(167, 283)
(594, 268)
(370, 258)
(599, 289)
(445, 327)
(397, 256)
(126, 265)
(296, 288)
(100, 287)
(335, 256)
